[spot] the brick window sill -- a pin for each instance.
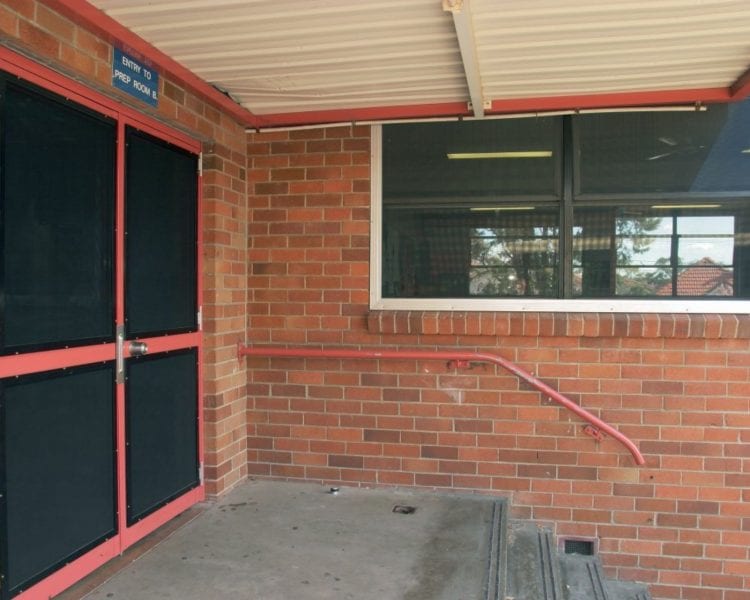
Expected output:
(646, 325)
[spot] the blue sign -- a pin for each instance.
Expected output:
(135, 78)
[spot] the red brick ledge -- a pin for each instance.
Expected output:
(647, 325)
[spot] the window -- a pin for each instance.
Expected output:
(640, 210)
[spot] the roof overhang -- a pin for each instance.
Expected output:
(296, 63)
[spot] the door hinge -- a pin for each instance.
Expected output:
(200, 164)
(199, 318)
(200, 473)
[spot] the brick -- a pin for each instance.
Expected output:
(698, 507)
(42, 41)
(695, 550)
(457, 466)
(371, 435)
(433, 480)
(440, 452)
(347, 462)
(537, 471)
(566, 472)
(677, 520)
(638, 490)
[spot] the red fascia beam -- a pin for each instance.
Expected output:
(740, 89)
(91, 18)
(458, 357)
(520, 105)
(614, 100)
(372, 113)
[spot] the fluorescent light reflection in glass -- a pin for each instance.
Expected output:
(510, 154)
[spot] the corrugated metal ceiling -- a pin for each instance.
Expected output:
(279, 57)
(548, 47)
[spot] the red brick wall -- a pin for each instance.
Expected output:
(44, 35)
(679, 385)
(295, 271)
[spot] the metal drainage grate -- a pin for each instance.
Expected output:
(404, 509)
(582, 547)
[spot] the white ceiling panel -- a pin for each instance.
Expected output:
(547, 47)
(307, 55)
(278, 57)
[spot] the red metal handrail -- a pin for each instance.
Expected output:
(451, 355)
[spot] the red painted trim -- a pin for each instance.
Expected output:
(741, 87)
(89, 17)
(167, 343)
(199, 304)
(48, 360)
(455, 356)
(44, 77)
(120, 438)
(615, 100)
(201, 433)
(520, 105)
(163, 132)
(142, 528)
(121, 442)
(72, 572)
(35, 73)
(120, 227)
(374, 113)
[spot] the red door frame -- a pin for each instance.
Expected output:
(125, 116)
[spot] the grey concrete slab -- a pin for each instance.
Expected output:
(281, 541)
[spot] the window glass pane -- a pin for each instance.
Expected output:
(714, 250)
(471, 209)
(465, 252)
(653, 152)
(702, 225)
(471, 161)
(643, 281)
(705, 279)
(644, 251)
(57, 223)
(660, 252)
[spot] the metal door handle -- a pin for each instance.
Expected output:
(138, 348)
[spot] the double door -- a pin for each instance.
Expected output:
(99, 336)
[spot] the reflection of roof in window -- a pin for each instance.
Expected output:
(703, 278)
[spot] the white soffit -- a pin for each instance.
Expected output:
(280, 57)
(557, 48)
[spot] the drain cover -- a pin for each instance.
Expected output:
(583, 547)
(404, 509)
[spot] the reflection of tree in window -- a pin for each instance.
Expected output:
(658, 200)
(517, 260)
(637, 252)
(643, 256)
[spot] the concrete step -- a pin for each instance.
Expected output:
(497, 563)
(583, 579)
(624, 590)
(533, 568)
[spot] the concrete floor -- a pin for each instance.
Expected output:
(281, 541)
